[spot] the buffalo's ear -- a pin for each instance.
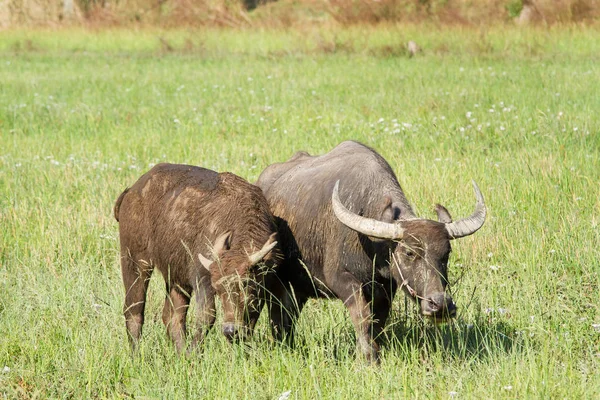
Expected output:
(222, 244)
(443, 214)
(390, 212)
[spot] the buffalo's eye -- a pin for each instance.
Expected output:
(409, 253)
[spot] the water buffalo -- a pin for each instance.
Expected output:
(347, 231)
(209, 233)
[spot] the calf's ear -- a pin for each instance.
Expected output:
(221, 245)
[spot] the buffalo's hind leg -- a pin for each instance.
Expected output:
(136, 276)
(174, 316)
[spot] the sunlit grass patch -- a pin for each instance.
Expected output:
(83, 115)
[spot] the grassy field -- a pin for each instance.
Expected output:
(84, 114)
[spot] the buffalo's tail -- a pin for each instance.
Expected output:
(118, 204)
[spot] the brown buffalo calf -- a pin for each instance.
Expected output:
(208, 233)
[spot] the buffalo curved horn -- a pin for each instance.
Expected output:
(470, 225)
(366, 226)
(206, 263)
(221, 244)
(257, 257)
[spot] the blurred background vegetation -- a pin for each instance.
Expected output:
(293, 13)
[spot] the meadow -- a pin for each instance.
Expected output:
(84, 113)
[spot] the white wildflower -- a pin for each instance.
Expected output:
(285, 395)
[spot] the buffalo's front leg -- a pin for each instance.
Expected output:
(380, 306)
(349, 290)
(284, 310)
(174, 315)
(205, 309)
(252, 314)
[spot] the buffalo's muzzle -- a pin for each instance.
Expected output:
(230, 331)
(438, 306)
(233, 332)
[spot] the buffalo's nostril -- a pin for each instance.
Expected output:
(451, 307)
(433, 305)
(451, 311)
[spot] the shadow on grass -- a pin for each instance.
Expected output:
(479, 340)
(481, 337)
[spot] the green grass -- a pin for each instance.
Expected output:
(84, 114)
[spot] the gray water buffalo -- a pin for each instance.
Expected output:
(348, 232)
(208, 233)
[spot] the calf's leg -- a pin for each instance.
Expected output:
(136, 276)
(205, 309)
(174, 315)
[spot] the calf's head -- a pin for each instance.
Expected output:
(237, 275)
(420, 250)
